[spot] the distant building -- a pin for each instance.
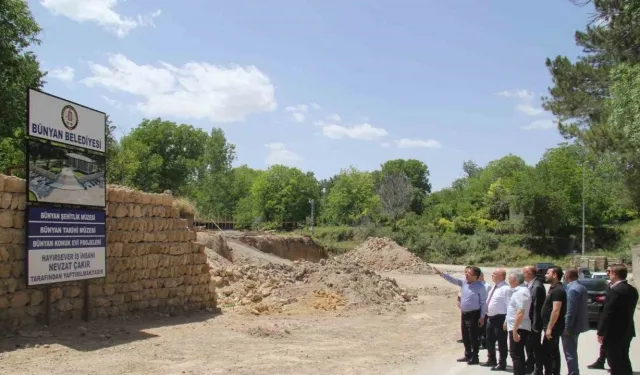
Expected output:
(82, 163)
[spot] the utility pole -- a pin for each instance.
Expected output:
(583, 202)
(311, 201)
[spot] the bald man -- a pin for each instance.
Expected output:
(497, 304)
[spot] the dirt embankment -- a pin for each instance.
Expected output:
(215, 242)
(286, 247)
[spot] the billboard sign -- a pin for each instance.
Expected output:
(65, 244)
(65, 122)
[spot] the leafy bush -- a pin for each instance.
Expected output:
(445, 225)
(335, 234)
(465, 225)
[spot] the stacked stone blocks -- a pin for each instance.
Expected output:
(153, 262)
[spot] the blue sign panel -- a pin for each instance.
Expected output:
(65, 245)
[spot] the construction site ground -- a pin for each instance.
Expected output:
(403, 329)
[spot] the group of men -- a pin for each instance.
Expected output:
(528, 322)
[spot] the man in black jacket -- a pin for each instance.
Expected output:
(616, 328)
(602, 357)
(538, 295)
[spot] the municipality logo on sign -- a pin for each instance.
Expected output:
(69, 117)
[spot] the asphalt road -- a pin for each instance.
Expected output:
(588, 350)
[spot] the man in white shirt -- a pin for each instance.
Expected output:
(518, 321)
(497, 301)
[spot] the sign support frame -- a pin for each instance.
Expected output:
(86, 308)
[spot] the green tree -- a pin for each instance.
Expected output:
(418, 174)
(395, 194)
(281, 194)
(213, 185)
(471, 169)
(351, 198)
(497, 201)
(580, 89)
(19, 70)
(161, 155)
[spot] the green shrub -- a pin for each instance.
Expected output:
(335, 234)
(465, 225)
(444, 225)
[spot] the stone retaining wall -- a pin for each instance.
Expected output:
(153, 262)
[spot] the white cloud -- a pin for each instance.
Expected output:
(101, 12)
(540, 125)
(518, 94)
(298, 112)
(525, 101)
(297, 108)
(315, 105)
(364, 131)
(64, 74)
(417, 143)
(334, 118)
(529, 110)
(114, 103)
(298, 116)
(278, 154)
(194, 90)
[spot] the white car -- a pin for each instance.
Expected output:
(600, 275)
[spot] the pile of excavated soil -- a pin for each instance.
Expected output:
(330, 285)
(383, 255)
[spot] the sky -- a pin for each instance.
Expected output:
(320, 84)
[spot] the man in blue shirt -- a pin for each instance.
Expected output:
(473, 297)
(576, 319)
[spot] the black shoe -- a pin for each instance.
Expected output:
(596, 366)
(460, 341)
(474, 361)
(499, 368)
(463, 359)
(488, 364)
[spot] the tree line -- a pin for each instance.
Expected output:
(596, 100)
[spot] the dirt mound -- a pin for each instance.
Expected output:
(286, 247)
(330, 285)
(383, 254)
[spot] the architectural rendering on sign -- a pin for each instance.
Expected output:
(62, 176)
(65, 245)
(64, 122)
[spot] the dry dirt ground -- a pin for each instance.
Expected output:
(374, 338)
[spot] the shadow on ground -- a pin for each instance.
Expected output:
(98, 334)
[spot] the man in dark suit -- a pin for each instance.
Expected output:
(602, 357)
(538, 295)
(616, 328)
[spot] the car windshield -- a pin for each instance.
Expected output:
(544, 265)
(594, 285)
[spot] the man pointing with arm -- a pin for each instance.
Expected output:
(473, 297)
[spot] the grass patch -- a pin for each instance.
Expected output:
(186, 207)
